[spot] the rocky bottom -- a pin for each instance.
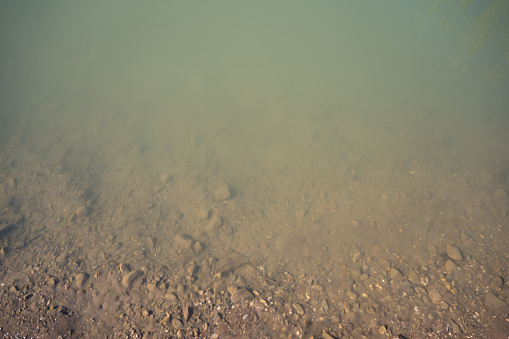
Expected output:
(240, 301)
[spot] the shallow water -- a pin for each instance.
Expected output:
(346, 133)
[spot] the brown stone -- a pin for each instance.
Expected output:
(130, 277)
(222, 193)
(454, 253)
(491, 300)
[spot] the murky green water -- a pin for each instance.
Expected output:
(339, 127)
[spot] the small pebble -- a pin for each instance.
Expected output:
(450, 266)
(298, 308)
(130, 277)
(177, 324)
(80, 280)
(435, 296)
(395, 275)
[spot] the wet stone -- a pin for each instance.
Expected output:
(240, 294)
(183, 240)
(81, 211)
(151, 287)
(440, 327)
(166, 321)
(444, 306)
(181, 289)
(356, 273)
(318, 288)
(130, 277)
(177, 324)
(171, 297)
(405, 287)
(385, 264)
(298, 308)
(454, 253)
(420, 290)
(187, 312)
(150, 242)
(425, 299)
(51, 282)
(496, 284)
(352, 295)
(62, 257)
(191, 270)
(216, 317)
(491, 300)
(395, 275)
(357, 256)
(356, 307)
(412, 276)
(257, 305)
(454, 326)
(124, 268)
(334, 318)
(222, 193)
(197, 247)
(80, 280)
(230, 262)
(435, 296)
(450, 266)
